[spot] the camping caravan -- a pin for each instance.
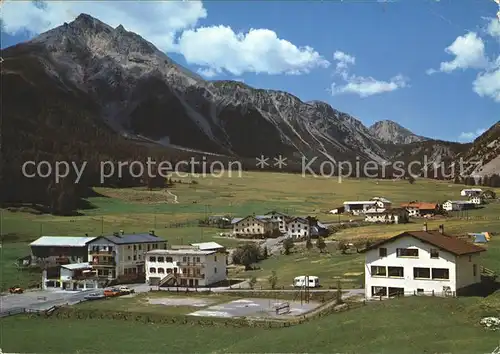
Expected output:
(308, 281)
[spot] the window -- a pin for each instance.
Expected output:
(215, 259)
(197, 259)
(434, 253)
(382, 252)
(215, 270)
(161, 270)
(423, 273)
(420, 291)
(396, 272)
(140, 247)
(165, 245)
(407, 252)
(128, 247)
(184, 259)
(470, 258)
(135, 258)
(152, 270)
(152, 259)
(378, 271)
(169, 259)
(149, 247)
(128, 258)
(440, 273)
(135, 248)
(379, 291)
(396, 291)
(160, 259)
(474, 269)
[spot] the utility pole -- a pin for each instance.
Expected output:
(102, 225)
(155, 221)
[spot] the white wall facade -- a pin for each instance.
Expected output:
(189, 266)
(468, 270)
(298, 229)
(280, 220)
(253, 226)
(408, 281)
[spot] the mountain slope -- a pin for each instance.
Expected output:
(483, 157)
(87, 91)
(391, 132)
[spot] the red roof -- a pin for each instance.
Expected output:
(420, 205)
(445, 242)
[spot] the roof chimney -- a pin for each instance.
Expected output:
(122, 232)
(425, 227)
(152, 232)
(441, 229)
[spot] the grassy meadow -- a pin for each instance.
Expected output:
(404, 326)
(140, 210)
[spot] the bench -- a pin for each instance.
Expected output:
(284, 307)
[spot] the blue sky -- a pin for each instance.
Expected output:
(374, 61)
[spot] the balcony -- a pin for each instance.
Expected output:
(191, 264)
(101, 253)
(103, 264)
(190, 276)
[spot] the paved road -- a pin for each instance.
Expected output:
(40, 300)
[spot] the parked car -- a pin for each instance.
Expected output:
(124, 290)
(16, 290)
(112, 292)
(94, 296)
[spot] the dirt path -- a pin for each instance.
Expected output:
(173, 195)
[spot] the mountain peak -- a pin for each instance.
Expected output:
(389, 131)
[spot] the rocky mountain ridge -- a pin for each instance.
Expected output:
(144, 96)
(389, 131)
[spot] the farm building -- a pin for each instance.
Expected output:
(457, 205)
(471, 192)
(57, 250)
(391, 216)
(421, 262)
(421, 209)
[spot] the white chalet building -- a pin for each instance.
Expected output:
(458, 205)
(280, 218)
(421, 262)
(471, 192)
(298, 228)
(198, 265)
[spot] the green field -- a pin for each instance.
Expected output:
(139, 210)
(406, 325)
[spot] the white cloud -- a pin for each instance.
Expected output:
(493, 28)
(469, 54)
(361, 85)
(172, 27)
(259, 50)
(207, 72)
(487, 84)
(471, 135)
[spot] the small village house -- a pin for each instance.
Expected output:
(382, 203)
(281, 218)
(197, 265)
(390, 216)
(122, 256)
(471, 192)
(255, 225)
(476, 200)
(298, 227)
(421, 209)
(458, 205)
(74, 276)
(421, 262)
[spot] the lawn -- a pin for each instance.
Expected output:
(330, 267)
(406, 325)
(140, 210)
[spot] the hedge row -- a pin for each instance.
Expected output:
(85, 314)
